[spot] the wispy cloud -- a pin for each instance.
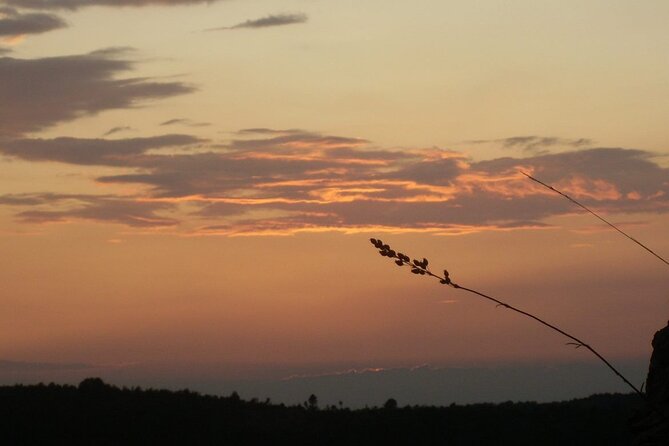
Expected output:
(57, 208)
(14, 23)
(20, 366)
(185, 122)
(267, 131)
(75, 86)
(119, 129)
(267, 21)
(536, 144)
(76, 4)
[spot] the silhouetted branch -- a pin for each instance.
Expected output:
(420, 267)
(596, 215)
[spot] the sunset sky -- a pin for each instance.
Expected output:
(189, 185)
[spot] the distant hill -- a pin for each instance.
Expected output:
(95, 413)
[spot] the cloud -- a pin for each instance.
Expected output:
(76, 4)
(4, 51)
(295, 140)
(13, 23)
(46, 91)
(119, 129)
(27, 199)
(623, 172)
(186, 122)
(266, 131)
(20, 366)
(82, 151)
(54, 208)
(267, 21)
(269, 181)
(536, 144)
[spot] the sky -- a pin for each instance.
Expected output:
(190, 186)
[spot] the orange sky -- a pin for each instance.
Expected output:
(173, 193)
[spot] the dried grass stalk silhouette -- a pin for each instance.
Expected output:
(547, 186)
(420, 267)
(656, 255)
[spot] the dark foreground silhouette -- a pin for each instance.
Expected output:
(95, 413)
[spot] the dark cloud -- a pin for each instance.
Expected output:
(4, 51)
(76, 4)
(428, 171)
(46, 91)
(266, 22)
(107, 152)
(13, 23)
(279, 181)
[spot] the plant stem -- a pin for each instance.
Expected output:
(576, 341)
(421, 268)
(596, 215)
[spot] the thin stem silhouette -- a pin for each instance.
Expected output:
(420, 267)
(547, 186)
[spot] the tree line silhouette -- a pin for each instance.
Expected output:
(101, 414)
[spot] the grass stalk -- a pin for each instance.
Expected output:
(420, 267)
(582, 206)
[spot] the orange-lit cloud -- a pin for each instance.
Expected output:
(596, 189)
(271, 182)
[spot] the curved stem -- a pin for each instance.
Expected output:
(577, 342)
(421, 268)
(596, 215)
